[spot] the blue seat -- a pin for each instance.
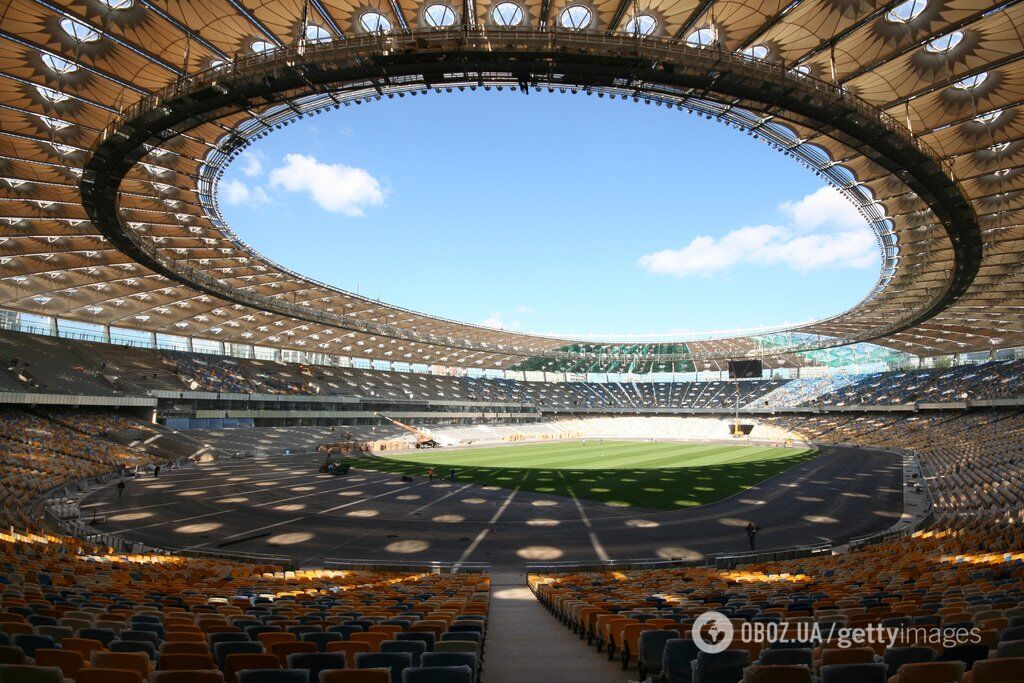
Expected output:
(720, 667)
(254, 631)
(321, 639)
(273, 676)
(155, 629)
(968, 654)
(466, 626)
(314, 663)
(416, 648)
(895, 657)
(149, 649)
(40, 620)
(29, 643)
(222, 650)
(652, 649)
(437, 674)
(854, 673)
(217, 638)
(345, 630)
(300, 630)
(144, 636)
(449, 659)
(4, 639)
(1012, 633)
(426, 636)
(104, 635)
(676, 662)
(145, 619)
(395, 662)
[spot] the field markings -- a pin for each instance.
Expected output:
(468, 552)
(438, 500)
(598, 548)
(363, 500)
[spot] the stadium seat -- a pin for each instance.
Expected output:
(12, 654)
(770, 657)
(416, 648)
(316, 662)
(996, 671)
(186, 662)
(221, 651)
(356, 676)
(854, 673)
(395, 662)
(68, 661)
(439, 674)
(187, 676)
(448, 659)
(239, 661)
(273, 676)
(131, 661)
(722, 667)
(777, 673)
(929, 672)
(19, 673)
(321, 639)
(96, 674)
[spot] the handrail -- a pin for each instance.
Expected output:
(426, 566)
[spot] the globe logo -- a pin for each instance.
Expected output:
(712, 632)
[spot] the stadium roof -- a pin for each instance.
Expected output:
(117, 117)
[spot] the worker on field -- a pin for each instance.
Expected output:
(451, 475)
(120, 488)
(752, 530)
(430, 474)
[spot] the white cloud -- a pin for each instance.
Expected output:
(823, 208)
(335, 187)
(236, 192)
(252, 163)
(824, 231)
(497, 321)
(525, 310)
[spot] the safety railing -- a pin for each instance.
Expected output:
(410, 566)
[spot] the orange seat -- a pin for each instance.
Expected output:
(184, 649)
(355, 676)
(132, 661)
(85, 646)
(349, 647)
(268, 640)
(929, 672)
(385, 628)
(630, 641)
(852, 655)
(996, 671)
(198, 676)
(374, 639)
(282, 650)
(245, 660)
(69, 661)
(184, 637)
(104, 675)
(186, 662)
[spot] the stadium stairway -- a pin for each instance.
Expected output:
(528, 645)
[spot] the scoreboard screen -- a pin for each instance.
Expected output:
(745, 369)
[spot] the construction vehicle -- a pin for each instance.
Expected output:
(423, 439)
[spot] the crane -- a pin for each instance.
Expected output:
(423, 440)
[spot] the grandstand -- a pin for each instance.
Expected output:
(216, 469)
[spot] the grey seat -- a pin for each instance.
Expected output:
(895, 657)
(29, 643)
(315, 662)
(449, 659)
(416, 648)
(437, 674)
(321, 639)
(720, 667)
(803, 656)
(1010, 648)
(148, 649)
(395, 662)
(677, 660)
(652, 648)
(854, 673)
(273, 676)
(222, 650)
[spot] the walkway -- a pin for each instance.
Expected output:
(527, 644)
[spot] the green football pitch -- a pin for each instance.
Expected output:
(660, 475)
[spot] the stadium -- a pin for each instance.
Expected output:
(218, 469)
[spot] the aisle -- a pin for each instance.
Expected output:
(526, 644)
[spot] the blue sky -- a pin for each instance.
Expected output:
(551, 213)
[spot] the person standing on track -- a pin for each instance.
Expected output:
(430, 474)
(752, 530)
